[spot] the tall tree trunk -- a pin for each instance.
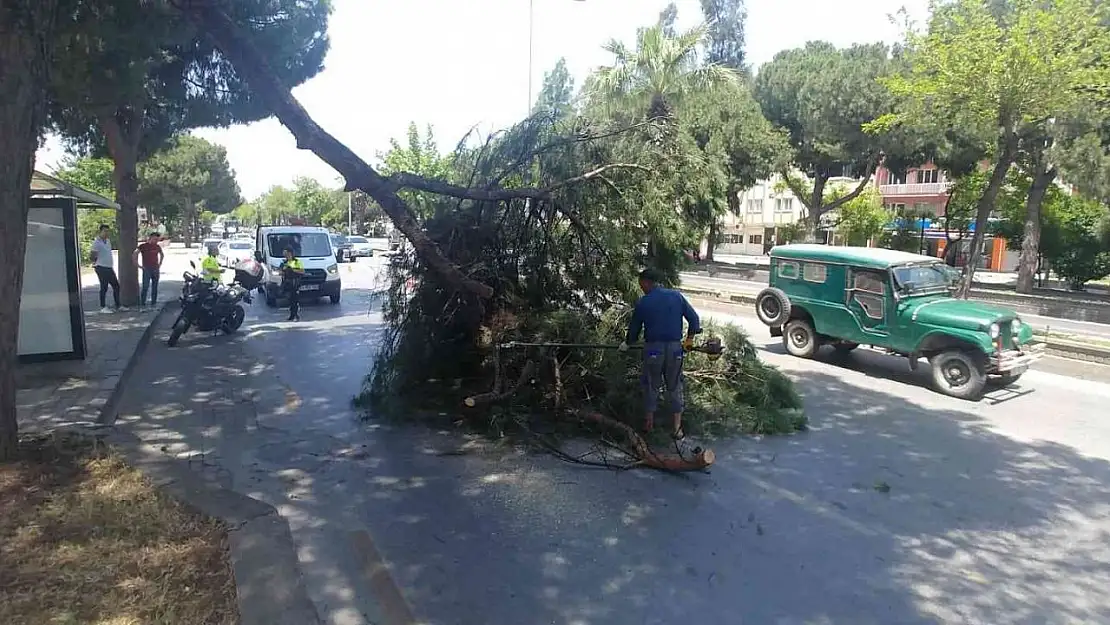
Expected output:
(714, 236)
(26, 34)
(1007, 146)
(816, 206)
(123, 130)
(1031, 238)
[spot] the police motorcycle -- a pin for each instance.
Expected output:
(212, 306)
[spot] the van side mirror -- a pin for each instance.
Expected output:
(258, 256)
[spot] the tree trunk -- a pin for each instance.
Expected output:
(1007, 144)
(714, 235)
(25, 33)
(189, 222)
(816, 208)
(122, 131)
(1031, 239)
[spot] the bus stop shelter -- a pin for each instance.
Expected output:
(51, 314)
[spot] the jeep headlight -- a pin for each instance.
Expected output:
(333, 268)
(995, 330)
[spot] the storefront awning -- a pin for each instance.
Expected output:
(43, 185)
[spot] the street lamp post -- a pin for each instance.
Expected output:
(350, 230)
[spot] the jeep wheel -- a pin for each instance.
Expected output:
(958, 374)
(772, 307)
(799, 339)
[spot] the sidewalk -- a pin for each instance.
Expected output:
(80, 393)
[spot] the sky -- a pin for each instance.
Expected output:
(461, 65)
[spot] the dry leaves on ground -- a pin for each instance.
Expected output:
(84, 538)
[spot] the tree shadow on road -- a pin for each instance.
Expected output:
(885, 512)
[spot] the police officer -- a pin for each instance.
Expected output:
(210, 267)
(292, 269)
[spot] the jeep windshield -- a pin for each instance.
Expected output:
(921, 279)
(304, 244)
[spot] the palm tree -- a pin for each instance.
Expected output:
(658, 74)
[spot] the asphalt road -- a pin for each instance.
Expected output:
(898, 506)
(1039, 323)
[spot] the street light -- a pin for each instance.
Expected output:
(531, 36)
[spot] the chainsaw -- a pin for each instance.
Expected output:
(711, 346)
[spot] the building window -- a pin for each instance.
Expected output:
(784, 205)
(897, 207)
(921, 208)
(814, 273)
(788, 270)
(927, 176)
(755, 206)
(755, 239)
(895, 178)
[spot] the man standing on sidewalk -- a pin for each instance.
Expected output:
(152, 256)
(104, 265)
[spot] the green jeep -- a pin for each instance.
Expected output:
(897, 302)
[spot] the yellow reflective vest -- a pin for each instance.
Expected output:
(211, 268)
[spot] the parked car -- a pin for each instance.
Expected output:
(342, 248)
(360, 247)
(234, 251)
(897, 302)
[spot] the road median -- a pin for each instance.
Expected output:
(1069, 346)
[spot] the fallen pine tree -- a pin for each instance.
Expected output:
(537, 234)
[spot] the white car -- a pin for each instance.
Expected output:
(235, 251)
(360, 246)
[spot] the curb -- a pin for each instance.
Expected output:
(108, 414)
(269, 587)
(1055, 347)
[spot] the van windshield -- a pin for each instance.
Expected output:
(304, 244)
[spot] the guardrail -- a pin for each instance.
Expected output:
(1067, 348)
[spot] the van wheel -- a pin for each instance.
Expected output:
(959, 374)
(334, 298)
(772, 306)
(800, 339)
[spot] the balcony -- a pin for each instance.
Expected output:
(922, 189)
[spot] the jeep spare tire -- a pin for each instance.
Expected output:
(772, 307)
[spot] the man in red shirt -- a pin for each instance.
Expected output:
(152, 255)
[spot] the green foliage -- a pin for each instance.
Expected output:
(724, 32)
(657, 76)
(190, 173)
(863, 217)
(307, 199)
(556, 97)
(420, 155)
(822, 97)
(1075, 242)
(120, 57)
(91, 174)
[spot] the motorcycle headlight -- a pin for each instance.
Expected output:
(995, 330)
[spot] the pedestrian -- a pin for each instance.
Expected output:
(659, 314)
(104, 265)
(292, 269)
(151, 256)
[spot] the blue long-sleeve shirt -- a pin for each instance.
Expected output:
(659, 314)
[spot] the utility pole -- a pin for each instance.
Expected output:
(350, 231)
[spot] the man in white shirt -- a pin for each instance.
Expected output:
(104, 265)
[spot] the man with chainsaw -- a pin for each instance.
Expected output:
(659, 314)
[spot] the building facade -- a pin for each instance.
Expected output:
(764, 210)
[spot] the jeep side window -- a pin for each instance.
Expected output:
(868, 291)
(788, 269)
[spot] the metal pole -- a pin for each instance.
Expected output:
(350, 231)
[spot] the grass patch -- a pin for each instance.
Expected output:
(86, 539)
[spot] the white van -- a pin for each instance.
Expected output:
(310, 244)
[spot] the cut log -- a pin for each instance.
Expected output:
(647, 456)
(497, 395)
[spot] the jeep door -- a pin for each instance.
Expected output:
(868, 301)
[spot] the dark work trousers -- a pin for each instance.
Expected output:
(150, 284)
(663, 369)
(292, 290)
(107, 278)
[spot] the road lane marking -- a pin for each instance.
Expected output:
(395, 609)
